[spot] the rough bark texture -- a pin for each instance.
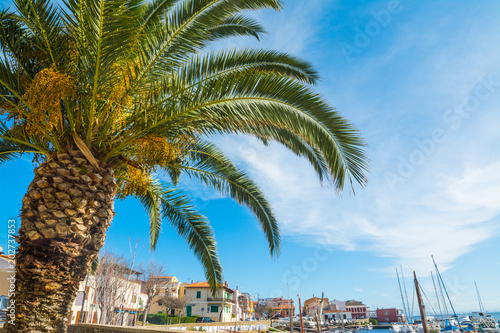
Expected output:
(64, 218)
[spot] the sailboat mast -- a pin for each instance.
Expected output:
(300, 313)
(421, 306)
(446, 291)
(289, 306)
(437, 296)
(402, 297)
(321, 306)
(406, 294)
(479, 299)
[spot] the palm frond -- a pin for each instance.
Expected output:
(237, 25)
(44, 23)
(260, 98)
(185, 32)
(12, 147)
(208, 164)
(155, 11)
(164, 201)
(14, 44)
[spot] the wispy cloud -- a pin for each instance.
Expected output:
(439, 213)
(421, 75)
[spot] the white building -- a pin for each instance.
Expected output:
(337, 305)
(107, 299)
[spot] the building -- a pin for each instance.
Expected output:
(357, 309)
(336, 305)
(313, 305)
(7, 269)
(391, 315)
(339, 316)
(243, 305)
(203, 303)
(108, 298)
(279, 307)
(169, 286)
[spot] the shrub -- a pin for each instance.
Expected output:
(161, 319)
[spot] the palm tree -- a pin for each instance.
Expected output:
(105, 95)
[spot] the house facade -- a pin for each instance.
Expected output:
(391, 315)
(119, 306)
(111, 296)
(357, 309)
(6, 271)
(336, 305)
(339, 316)
(280, 306)
(242, 306)
(203, 303)
(170, 286)
(312, 306)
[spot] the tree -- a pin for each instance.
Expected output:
(106, 94)
(170, 303)
(109, 284)
(152, 284)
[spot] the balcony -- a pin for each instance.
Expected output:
(220, 300)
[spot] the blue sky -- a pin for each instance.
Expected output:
(421, 81)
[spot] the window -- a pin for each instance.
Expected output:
(214, 308)
(198, 294)
(160, 304)
(386, 313)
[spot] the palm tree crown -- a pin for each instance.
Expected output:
(131, 85)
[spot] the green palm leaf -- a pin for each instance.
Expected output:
(163, 201)
(209, 165)
(143, 90)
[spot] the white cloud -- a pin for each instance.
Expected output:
(442, 213)
(448, 204)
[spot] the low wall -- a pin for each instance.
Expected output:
(97, 328)
(239, 326)
(242, 326)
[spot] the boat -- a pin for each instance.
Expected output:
(485, 323)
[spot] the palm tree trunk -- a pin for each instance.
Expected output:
(65, 215)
